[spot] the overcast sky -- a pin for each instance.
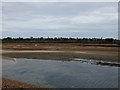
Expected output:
(68, 19)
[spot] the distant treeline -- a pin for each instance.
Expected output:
(60, 40)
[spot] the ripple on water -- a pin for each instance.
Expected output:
(61, 74)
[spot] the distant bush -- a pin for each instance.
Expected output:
(60, 40)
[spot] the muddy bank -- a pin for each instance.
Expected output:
(61, 51)
(7, 83)
(64, 55)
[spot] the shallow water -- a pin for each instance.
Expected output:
(61, 74)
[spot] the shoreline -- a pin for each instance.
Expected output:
(60, 55)
(56, 51)
(61, 51)
(8, 83)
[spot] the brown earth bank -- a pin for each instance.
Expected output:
(7, 83)
(64, 55)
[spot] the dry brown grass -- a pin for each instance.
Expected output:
(58, 46)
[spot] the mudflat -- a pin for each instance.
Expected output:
(61, 51)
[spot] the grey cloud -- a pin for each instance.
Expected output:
(56, 18)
